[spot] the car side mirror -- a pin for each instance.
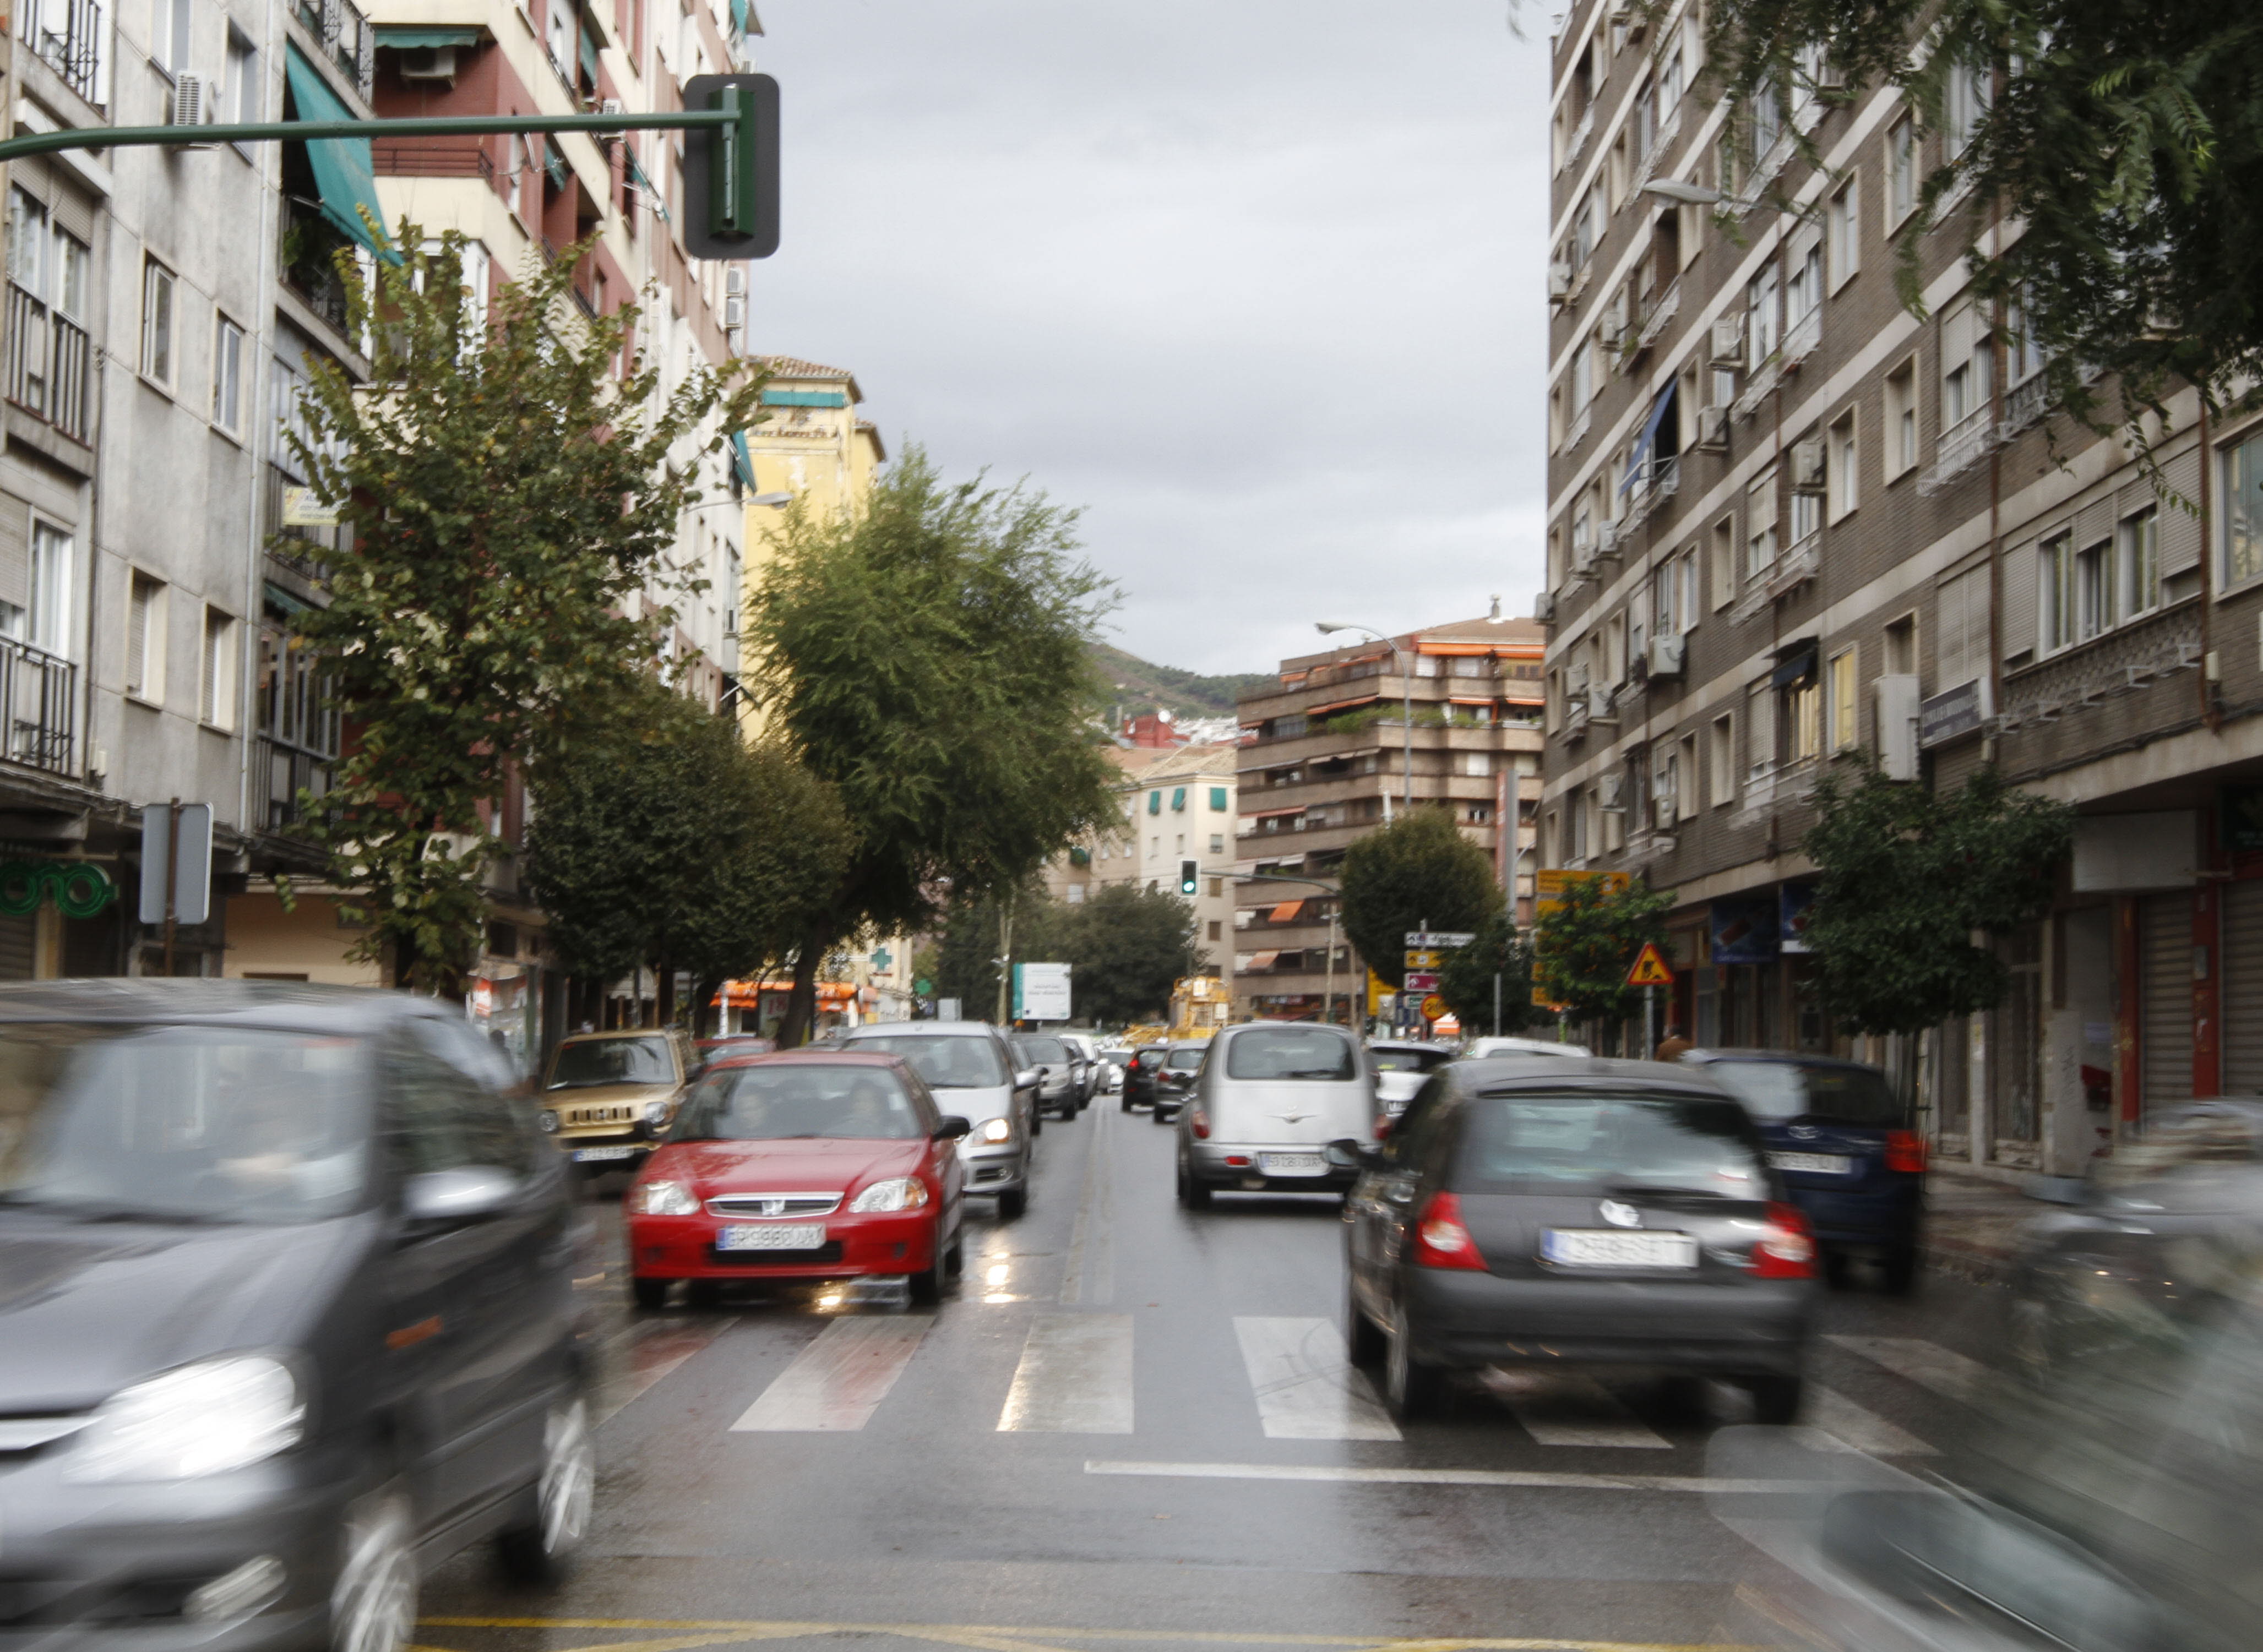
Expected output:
(470, 1193)
(1027, 1079)
(950, 1128)
(1349, 1153)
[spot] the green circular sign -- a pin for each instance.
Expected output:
(81, 888)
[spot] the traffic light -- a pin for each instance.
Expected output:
(1189, 876)
(731, 172)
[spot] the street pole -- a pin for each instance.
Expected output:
(172, 877)
(1406, 729)
(1329, 993)
(1649, 1021)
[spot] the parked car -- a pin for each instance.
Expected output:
(607, 1098)
(708, 1051)
(1845, 1144)
(805, 1164)
(286, 1315)
(1576, 1213)
(1183, 1059)
(1085, 1050)
(1139, 1076)
(1400, 1066)
(1268, 1103)
(1055, 1067)
(971, 1071)
(1114, 1059)
(1485, 1049)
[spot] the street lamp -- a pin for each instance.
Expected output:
(1328, 628)
(776, 501)
(1675, 188)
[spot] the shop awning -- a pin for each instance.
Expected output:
(1796, 667)
(343, 176)
(1287, 911)
(1472, 699)
(1267, 814)
(1341, 705)
(422, 37)
(1259, 961)
(1459, 650)
(1648, 442)
(749, 994)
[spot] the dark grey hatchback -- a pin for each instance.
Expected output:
(1543, 1212)
(286, 1313)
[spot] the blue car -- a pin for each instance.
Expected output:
(1845, 1144)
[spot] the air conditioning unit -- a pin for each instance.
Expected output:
(1728, 341)
(734, 311)
(191, 95)
(1666, 654)
(1807, 465)
(1609, 331)
(1560, 282)
(428, 62)
(1712, 428)
(1544, 608)
(734, 279)
(1610, 793)
(1607, 540)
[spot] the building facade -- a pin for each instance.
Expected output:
(1793, 525)
(1178, 805)
(1329, 754)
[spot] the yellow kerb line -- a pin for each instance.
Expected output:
(1004, 1638)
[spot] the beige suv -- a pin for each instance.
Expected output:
(608, 1097)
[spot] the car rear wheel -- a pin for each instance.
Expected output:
(374, 1602)
(650, 1292)
(543, 1551)
(1898, 1273)
(1012, 1203)
(1412, 1389)
(1127, 1104)
(1195, 1196)
(1776, 1399)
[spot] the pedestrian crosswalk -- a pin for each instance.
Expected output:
(1304, 1383)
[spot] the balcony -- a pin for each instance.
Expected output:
(1801, 341)
(1795, 567)
(346, 38)
(308, 269)
(2024, 405)
(414, 157)
(68, 36)
(1656, 315)
(280, 773)
(49, 360)
(1655, 481)
(1962, 445)
(39, 707)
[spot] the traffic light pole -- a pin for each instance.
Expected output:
(416, 127)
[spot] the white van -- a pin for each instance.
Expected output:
(1269, 1098)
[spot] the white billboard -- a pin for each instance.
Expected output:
(1041, 993)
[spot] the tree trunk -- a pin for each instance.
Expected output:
(663, 991)
(704, 1023)
(802, 1003)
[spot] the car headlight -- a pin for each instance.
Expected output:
(663, 1199)
(657, 1112)
(898, 1192)
(549, 1120)
(202, 1419)
(995, 1130)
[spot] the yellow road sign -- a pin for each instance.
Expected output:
(1433, 1008)
(1650, 968)
(1423, 958)
(1550, 883)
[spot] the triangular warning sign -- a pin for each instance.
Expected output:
(1650, 969)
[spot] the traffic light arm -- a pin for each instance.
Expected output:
(418, 126)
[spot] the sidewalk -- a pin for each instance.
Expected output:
(1970, 1221)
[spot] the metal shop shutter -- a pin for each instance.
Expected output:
(2165, 1001)
(18, 948)
(2241, 1000)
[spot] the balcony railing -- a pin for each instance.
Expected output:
(1801, 339)
(2023, 405)
(49, 358)
(346, 36)
(1659, 311)
(424, 158)
(1960, 446)
(283, 772)
(39, 707)
(68, 35)
(307, 271)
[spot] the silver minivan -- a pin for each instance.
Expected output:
(1269, 1098)
(971, 1068)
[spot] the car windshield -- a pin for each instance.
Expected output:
(1048, 1051)
(183, 1123)
(1406, 1060)
(798, 1102)
(612, 1061)
(1598, 1143)
(1775, 1090)
(1184, 1060)
(963, 1062)
(1289, 1052)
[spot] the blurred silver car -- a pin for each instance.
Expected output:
(1484, 1049)
(1268, 1100)
(971, 1068)
(1400, 1066)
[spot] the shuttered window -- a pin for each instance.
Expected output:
(2242, 987)
(2164, 1002)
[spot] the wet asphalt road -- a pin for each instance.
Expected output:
(1132, 1425)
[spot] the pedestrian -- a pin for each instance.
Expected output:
(1674, 1046)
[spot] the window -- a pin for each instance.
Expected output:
(1901, 419)
(157, 322)
(1901, 647)
(1802, 717)
(1218, 800)
(1685, 778)
(227, 376)
(1964, 101)
(1845, 704)
(2023, 351)
(1476, 764)
(241, 96)
(1901, 171)
(49, 620)
(2139, 540)
(1721, 760)
(168, 35)
(1685, 594)
(145, 638)
(1760, 524)
(1583, 377)
(1803, 294)
(1217, 929)
(1844, 239)
(2242, 511)
(215, 691)
(1839, 478)
(1664, 613)
(1966, 359)
(1961, 630)
(1764, 317)
(557, 36)
(1724, 562)
(1217, 885)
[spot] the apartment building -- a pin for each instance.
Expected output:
(1178, 805)
(1792, 522)
(1330, 754)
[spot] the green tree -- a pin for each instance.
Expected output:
(1128, 947)
(1420, 869)
(1466, 982)
(1584, 946)
(2124, 138)
(974, 935)
(1904, 878)
(929, 656)
(660, 839)
(509, 490)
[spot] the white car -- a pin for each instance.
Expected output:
(1400, 1067)
(1479, 1049)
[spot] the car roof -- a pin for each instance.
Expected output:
(1415, 1044)
(828, 1057)
(918, 1030)
(1779, 1057)
(287, 1005)
(1600, 1074)
(616, 1032)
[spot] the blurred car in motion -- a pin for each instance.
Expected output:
(1175, 1076)
(1400, 1066)
(1055, 1066)
(286, 1315)
(1109, 1071)
(973, 1073)
(1085, 1050)
(1485, 1049)
(708, 1051)
(809, 1164)
(607, 1098)
(1265, 1106)
(1575, 1213)
(1139, 1076)
(1846, 1146)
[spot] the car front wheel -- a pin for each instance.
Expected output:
(1011, 1204)
(543, 1551)
(374, 1602)
(650, 1292)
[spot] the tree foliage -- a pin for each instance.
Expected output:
(2125, 139)
(1585, 944)
(1904, 878)
(1466, 982)
(1126, 947)
(509, 492)
(660, 839)
(928, 656)
(1420, 869)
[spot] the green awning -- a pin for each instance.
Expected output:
(418, 37)
(589, 56)
(554, 162)
(741, 460)
(740, 11)
(638, 177)
(343, 176)
(803, 399)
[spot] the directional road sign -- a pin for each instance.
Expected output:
(1422, 981)
(1650, 968)
(1439, 938)
(1423, 958)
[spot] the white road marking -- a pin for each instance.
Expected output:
(1927, 1364)
(840, 1379)
(1090, 1276)
(1308, 1472)
(646, 1351)
(1843, 1421)
(1074, 1377)
(1565, 1409)
(1306, 1386)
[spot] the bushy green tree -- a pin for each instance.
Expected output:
(1418, 870)
(929, 655)
(1585, 942)
(1903, 880)
(1128, 947)
(509, 492)
(1466, 982)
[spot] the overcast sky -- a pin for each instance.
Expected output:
(1257, 282)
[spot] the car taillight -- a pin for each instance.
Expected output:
(1786, 1248)
(1199, 1121)
(1906, 1152)
(1440, 1239)
(1383, 1128)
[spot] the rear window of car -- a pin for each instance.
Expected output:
(1407, 1060)
(1187, 1060)
(945, 1061)
(1775, 1090)
(1289, 1052)
(1537, 1143)
(1047, 1050)
(783, 1103)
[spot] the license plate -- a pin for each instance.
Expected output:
(1814, 1164)
(593, 1154)
(1577, 1247)
(1293, 1164)
(801, 1235)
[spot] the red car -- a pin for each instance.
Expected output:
(808, 1165)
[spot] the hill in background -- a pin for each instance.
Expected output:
(1180, 693)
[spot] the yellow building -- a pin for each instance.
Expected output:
(812, 445)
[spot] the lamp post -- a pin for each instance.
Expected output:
(1328, 628)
